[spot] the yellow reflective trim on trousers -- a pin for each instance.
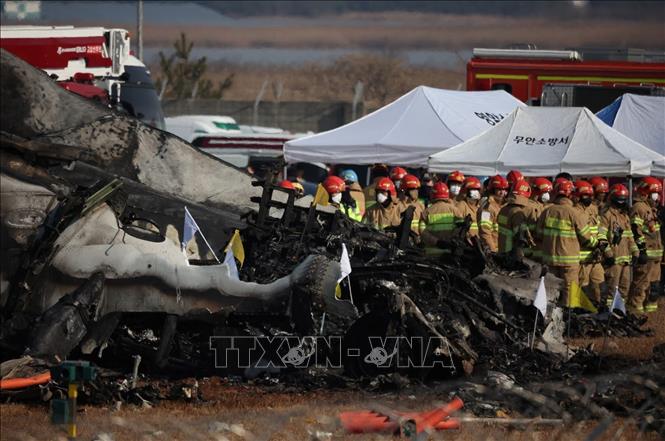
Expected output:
(623, 259)
(627, 234)
(637, 221)
(502, 77)
(560, 259)
(601, 79)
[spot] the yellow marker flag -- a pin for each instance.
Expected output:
(236, 247)
(321, 197)
(577, 299)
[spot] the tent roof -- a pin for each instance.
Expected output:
(544, 141)
(639, 117)
(408, 130)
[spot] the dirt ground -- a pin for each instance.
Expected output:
(245, 411)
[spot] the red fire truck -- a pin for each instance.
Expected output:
(93, 62)
(525, 73)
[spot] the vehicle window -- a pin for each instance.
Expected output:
(142, 102)
(226, 126)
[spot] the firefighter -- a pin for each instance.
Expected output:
(592, 274)
(560, 231)
(646, 228)
(438, 222)
(622, 250)
(385, 212)
(600, 190)
(379, 171)
(396, 175)
(467, 206)
(411, 187)
(513, 176)
(541, 192)
(340, 197)
(517, 220)
(351, 180)
(488, 213)
(454, 182)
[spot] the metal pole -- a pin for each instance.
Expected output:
(139, 30)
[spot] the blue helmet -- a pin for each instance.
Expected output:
(349, 175)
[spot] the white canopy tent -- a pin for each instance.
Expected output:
(408, 130)
(543, 141)
(639, 117)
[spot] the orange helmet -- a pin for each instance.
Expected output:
(649, 185)
(410, 182)
(397, 173)
(497, 182)
(563, 187)
(286, 184)
(542, 186)
(386, 184)
(472, 183)
(334, 184)
(583, 188)
(522, 188)
(599, 184)
(618, 191)
(513, 176)
(440, 191)
(455, 176)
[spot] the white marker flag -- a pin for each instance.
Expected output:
(541, 297)
(617, 302)
(344, 264)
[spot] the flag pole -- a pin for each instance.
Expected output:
(535, 324)
(350, 291)
(209, 247)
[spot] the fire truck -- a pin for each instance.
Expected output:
(564, 77)
(92, 62)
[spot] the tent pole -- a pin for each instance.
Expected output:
(630, 191)
(368, 180)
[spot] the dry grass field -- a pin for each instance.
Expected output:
(415, 30)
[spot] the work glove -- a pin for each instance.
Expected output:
(602, 244)
(642, 259)
(609, 261)
(347, 199)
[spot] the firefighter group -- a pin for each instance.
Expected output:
(585, 231)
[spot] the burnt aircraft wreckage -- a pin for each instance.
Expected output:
(92, 210)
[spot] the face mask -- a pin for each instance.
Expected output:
(413, 194)
(454, 189)
(474, 194)
(620, 203)
(545, 197)
(337, 198)
(655, 197)
(586, 201)
(381, 198)
(398, 184)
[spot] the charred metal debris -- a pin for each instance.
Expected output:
(92, 268)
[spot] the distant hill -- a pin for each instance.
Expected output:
(637, 10)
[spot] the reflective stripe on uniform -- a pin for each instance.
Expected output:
(563, 260)
(654, 253)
